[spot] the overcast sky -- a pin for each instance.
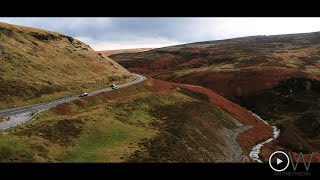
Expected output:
(123, 33)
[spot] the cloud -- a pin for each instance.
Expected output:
(139, 43)
(236, 27)
(113, 33)
(69, 26)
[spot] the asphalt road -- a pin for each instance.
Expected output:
(32, 109)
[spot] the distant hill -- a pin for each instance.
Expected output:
(107, 53)
(38, 65)
(228, 66)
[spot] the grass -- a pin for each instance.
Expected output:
(86, 130)
(109, 142)
(39, 66)
(188, 132)
(12, 150)
(137, 116)
(148, 122)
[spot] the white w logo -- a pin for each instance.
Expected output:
(294, 166)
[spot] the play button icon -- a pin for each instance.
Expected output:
(279, 161)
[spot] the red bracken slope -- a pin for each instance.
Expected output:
(107, 53)
(232, 67)
(241, 83)
(247, 139)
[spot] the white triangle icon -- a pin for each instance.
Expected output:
(279, 161)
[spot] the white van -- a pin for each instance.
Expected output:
(113, 86)
(83, 95)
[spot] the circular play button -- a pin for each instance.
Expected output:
(279, 161)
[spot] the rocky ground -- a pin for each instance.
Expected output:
(233, 152)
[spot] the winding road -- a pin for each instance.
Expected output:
(22, 114)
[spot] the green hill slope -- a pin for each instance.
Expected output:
(38, 65)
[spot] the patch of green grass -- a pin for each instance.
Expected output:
(12, 150)
(166, 99)
(140, 116)
(117, 131)
(132, 113)
(110, 141)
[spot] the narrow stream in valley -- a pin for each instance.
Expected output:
(255, 151)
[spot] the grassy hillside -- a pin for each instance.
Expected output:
(154, 121)
(38, 65)
(107, 53)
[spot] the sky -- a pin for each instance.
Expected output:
(124, 33)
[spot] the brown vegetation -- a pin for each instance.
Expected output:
(38, 66)
(108, 53)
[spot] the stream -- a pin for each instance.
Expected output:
(255, 151)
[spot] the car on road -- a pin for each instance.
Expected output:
(83, 95)
(113, 86)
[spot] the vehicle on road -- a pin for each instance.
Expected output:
(83, 95)
(113, 86)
